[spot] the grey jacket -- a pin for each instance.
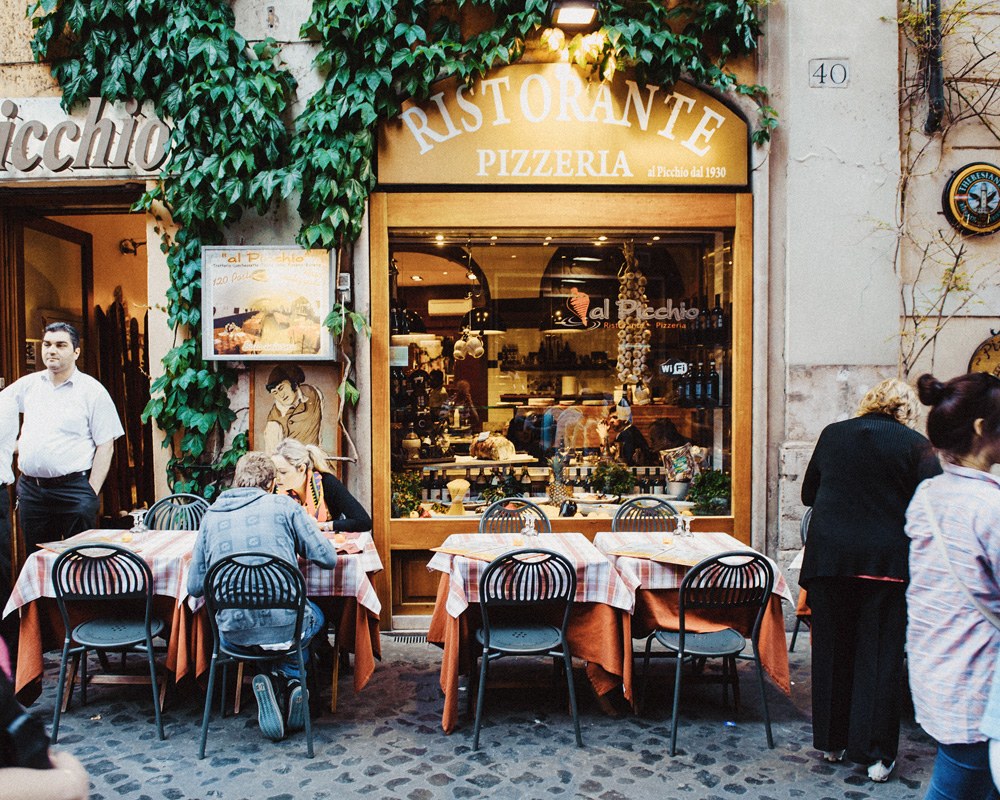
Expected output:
(250, 519)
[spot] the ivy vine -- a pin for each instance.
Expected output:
(231, 148)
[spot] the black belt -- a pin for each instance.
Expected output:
(59, 480)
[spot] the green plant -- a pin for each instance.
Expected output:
(710, 492)
(614, 478)
(405, 492)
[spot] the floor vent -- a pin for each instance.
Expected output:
(409, 638)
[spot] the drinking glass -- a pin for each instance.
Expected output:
(138, 520)
(684, 527)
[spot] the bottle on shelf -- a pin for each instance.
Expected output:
(698, 387)
(525, 482)
(425, 486)
(482, 482)
(717, 321)
(712, 397)
(658, 485)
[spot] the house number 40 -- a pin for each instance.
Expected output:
(829, 73)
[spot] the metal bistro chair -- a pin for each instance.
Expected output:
(801, 620)
(724, 582)
(252, 581)
(509, 515)
(644, 513)
(104, 572)
(525, 580)
(176, 512)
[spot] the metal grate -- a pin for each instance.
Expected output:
(409, 638)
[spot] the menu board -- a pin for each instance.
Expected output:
(266, 303)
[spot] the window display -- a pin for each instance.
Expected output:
(538, 363)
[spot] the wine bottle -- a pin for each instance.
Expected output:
(712, 397)
(698, 387)
(482, 482)
(718, 322)
(425, 486)
(704, 322)
(525, 482)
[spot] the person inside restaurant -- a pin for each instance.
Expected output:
(304, 475)
(249, 517)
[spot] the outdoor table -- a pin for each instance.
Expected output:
(656, 564)
(189, 642)
(599, 626)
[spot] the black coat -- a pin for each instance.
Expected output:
(859, 482)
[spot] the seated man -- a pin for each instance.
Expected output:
(249, 518)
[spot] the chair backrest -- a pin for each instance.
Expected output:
(176, 512)
(510, 514)
(734, 579)
(804, 525)
(254, 581)
(101, 571)
(528, 576)
(644, 513)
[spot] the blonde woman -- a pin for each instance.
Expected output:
(859, 482)
(302, 474)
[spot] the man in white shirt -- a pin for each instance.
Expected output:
(67, 441)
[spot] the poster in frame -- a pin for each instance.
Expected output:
(301, 403)
(266, 303)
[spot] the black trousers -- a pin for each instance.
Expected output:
(858, 636)
(9, 625)
(50, 513)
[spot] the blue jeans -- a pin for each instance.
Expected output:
(961, 772)
(312, 623)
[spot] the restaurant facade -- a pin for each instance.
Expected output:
(544, 252)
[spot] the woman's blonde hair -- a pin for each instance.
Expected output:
(299, 455)
(893, 397)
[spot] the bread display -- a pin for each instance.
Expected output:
(492, 447)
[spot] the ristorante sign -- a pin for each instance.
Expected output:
(39, 140)
(542, 125)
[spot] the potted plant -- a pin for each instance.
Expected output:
(611, 477)
(405, 493)
(710, 492)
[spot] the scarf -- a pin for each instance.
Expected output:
(313, 501)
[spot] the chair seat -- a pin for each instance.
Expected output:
(522, 639)
(711, 645)
(105, 632)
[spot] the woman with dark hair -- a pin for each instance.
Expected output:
(859, 481)
(954, 526)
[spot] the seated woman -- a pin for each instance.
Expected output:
(303, 474)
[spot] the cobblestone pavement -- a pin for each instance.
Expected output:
(386, 742)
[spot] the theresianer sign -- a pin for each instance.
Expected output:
(547, 125)
(39, 140)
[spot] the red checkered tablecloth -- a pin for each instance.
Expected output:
(596, 580)
(168, 554)
(646, 573)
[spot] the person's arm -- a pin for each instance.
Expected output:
(340, 501)
(810, 482)
(67, 780)
(199, 567)
(8, 432)
(101, 465)
(312, 544)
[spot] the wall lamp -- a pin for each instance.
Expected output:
(574, 15)
(130, 247)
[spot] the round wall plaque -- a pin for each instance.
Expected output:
(986, 357)
(971, 198)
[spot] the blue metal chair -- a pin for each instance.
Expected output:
(724, 582)
(252, 581)
(176, 512)
(525, 581)
(801, 620)
(116, 576)
(509, 515)
(646, 513)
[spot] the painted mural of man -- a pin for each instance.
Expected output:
(297, 412)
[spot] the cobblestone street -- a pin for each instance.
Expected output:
(387, 742)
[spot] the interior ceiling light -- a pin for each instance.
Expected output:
(416, 278)
(575, 15)
(586, 258)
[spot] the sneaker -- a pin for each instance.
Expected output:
(296, 719)
(834, 756)
(879, 771)
(268, 710)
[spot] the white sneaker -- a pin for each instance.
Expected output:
(879, 771)
(834, 756)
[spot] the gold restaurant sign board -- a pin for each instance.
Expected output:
(540, 125)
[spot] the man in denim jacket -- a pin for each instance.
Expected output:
(249, 518)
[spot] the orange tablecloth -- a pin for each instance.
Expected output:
(345, 593)
(598, 633)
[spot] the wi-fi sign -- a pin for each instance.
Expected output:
(674, 366)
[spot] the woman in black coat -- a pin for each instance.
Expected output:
(859, 482)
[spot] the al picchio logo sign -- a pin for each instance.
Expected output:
(588, 315)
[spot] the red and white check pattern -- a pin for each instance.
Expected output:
(168, 554)
(648, 574)
(596, 580)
